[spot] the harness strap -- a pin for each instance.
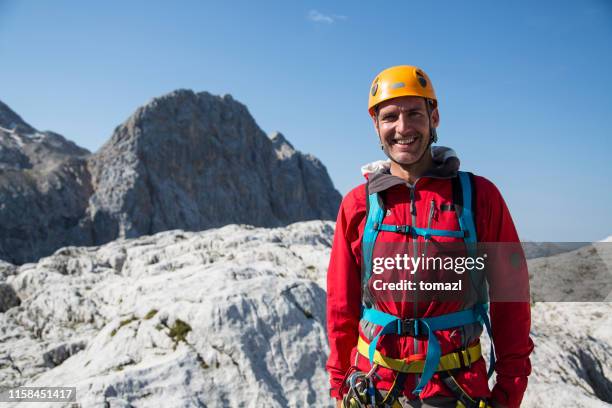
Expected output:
(390, 325)
(463, 398)
(424, 232)
(466, 217)
(484, 318)
(392, 397)
(370, 233)
(466, 222)
(415, 364)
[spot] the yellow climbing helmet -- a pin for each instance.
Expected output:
(401, 80)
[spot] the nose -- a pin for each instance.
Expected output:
(404, 126)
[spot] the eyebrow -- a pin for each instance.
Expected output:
(395, 109)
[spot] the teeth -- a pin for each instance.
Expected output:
(405, 141)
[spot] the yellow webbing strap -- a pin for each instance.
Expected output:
(481, 404)
(448, 361)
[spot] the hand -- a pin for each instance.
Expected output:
(338, 403)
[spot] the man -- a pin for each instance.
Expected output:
(415, 194)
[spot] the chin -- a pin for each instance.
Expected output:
(405, 160)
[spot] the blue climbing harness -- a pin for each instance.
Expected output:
(394, 325)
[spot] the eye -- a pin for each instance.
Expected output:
(388, 117)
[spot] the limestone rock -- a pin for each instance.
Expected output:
(9, 120)
(187, 319)
(195, 161)
(184, 160)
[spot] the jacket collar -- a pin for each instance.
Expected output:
(378, 173)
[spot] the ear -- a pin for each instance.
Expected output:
(435, 118)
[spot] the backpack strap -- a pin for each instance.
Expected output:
(467, 223)
(464, 200)
(375, 213)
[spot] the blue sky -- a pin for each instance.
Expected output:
(524, 87)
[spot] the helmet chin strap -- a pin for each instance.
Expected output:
(433, 134)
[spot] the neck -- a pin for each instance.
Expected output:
(411, 172)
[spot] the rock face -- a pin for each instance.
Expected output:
(184, 160)
(226, 317)
(9, 120)
(572, 359)
(196, 161)
(229, 317)
(581, 275)
(44, 190)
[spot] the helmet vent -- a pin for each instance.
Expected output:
(421, 78)
(374, 88)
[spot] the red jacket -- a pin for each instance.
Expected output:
(510, 320)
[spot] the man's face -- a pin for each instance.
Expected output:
(403, 126)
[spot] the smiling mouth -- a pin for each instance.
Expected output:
(405, 141)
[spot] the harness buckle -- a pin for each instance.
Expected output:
(412, 328)
(404, 229)
(463, 358)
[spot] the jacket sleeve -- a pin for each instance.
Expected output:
(510, 320)
(343, 295)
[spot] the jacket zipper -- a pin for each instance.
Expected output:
(432, 208)
(415, 248)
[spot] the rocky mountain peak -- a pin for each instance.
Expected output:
(23, 147)
(184, 160)
(194, 161)
(9, 120)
